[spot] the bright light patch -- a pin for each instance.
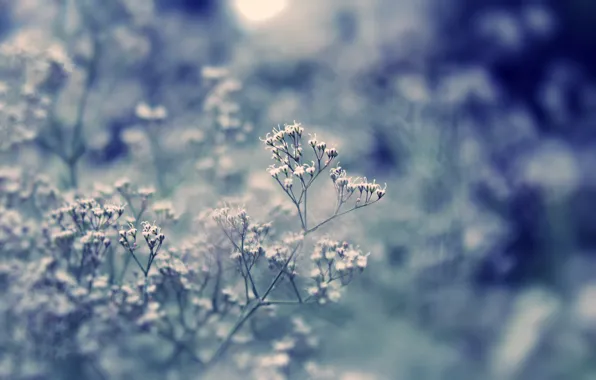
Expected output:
(257, 11)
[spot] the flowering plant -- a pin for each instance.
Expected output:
(210, 296)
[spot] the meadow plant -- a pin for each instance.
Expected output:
(96, 286)
(124, 122)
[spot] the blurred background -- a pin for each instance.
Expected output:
(479, 115)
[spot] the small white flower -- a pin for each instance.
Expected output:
(299, 171)
(362, 261)
(330, 254)
(288, 183)
(340, 266)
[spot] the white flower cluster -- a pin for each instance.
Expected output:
(95, 245)
(279, 253)
(346, 186)
(234, 218)
(95, 239)
(90, 222)
(335, 265)
(286, 148)
(195, 297)
(151, 233)
(125, 235)
(87, 214)
(153, 236)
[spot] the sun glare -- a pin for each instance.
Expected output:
(257, 11)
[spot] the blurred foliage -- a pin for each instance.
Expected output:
(478, 115)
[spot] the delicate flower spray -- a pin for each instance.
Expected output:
(94, 279)
(238, 271)
(211, 296)
(332, 264)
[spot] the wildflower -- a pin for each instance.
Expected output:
(288, 183)
(362, 261)
(299, 171)
(381, 192)
(340, 266)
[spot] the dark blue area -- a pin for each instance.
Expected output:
(116, 148)
(346, 25)
(5, 21)
(195, 7)
(520, 75)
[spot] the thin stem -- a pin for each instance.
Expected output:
(60, 21)
(305, 210)
(242, 258)
(246, 290)
(320, 169)
(112, 262)
(96, 369)
(281, 272)
(77, 145)
(252, 282)
(146, 287)
(285, 303)
(295, 201)
(132, 253)
(226, 342)
(336, 215)
(136, 225)
(295, 288)
(125, 267)
(81, 266)
(72, 173)
(181, 346)
(302, 222)
(260, 302)
(156, 155)
(214, 300)
(55, 131)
